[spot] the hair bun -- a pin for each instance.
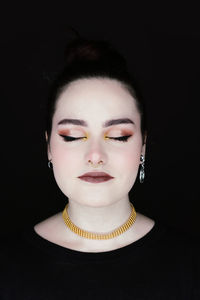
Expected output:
(82, 51)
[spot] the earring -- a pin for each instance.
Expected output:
(50, 165)
(142, 174)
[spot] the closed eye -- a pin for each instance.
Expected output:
(121, 138)
(71, 138)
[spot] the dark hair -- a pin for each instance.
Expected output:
(93, 59)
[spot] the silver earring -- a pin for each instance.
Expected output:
(142, 173)
(50, 165)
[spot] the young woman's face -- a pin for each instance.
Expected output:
(95, 101)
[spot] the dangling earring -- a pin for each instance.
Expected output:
(142, 174)
(50, 165)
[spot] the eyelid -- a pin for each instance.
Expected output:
(113, 128)
(105, 136)
(70, 132)
(119, 132)
(66, 135)
(123, 138)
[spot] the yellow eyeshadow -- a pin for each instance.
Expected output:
(86, 137)
(105, 137)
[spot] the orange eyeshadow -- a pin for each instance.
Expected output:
(63, 132)
(121, 131)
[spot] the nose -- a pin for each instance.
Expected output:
(96, 154)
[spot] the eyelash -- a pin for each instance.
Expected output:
(71, 138)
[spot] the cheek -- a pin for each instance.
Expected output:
(132, 161)
(63, 157)
(127, 168)
(129, 159)
(65, 168)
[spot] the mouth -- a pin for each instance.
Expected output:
(96, 177)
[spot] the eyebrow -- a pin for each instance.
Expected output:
(106, 124)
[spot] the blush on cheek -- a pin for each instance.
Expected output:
(61, 157)
(65, 159)
(132, 160)
(58, 152)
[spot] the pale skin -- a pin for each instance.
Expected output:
(96, 207)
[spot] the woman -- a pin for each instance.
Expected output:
(98, 247)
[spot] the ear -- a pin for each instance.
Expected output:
(48, 146)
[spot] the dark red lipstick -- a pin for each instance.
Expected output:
(95, 177)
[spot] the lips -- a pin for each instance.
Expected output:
(95, 177)
(95, 174)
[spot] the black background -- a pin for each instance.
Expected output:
(161, 44)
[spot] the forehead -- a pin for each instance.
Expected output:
(96, 98)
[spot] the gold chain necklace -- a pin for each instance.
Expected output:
(97, 236)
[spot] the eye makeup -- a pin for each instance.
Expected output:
(118, 135)
(66, 135)
(70, 132)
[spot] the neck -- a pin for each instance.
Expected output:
(99, 219)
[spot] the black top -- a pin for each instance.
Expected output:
(164, 264)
